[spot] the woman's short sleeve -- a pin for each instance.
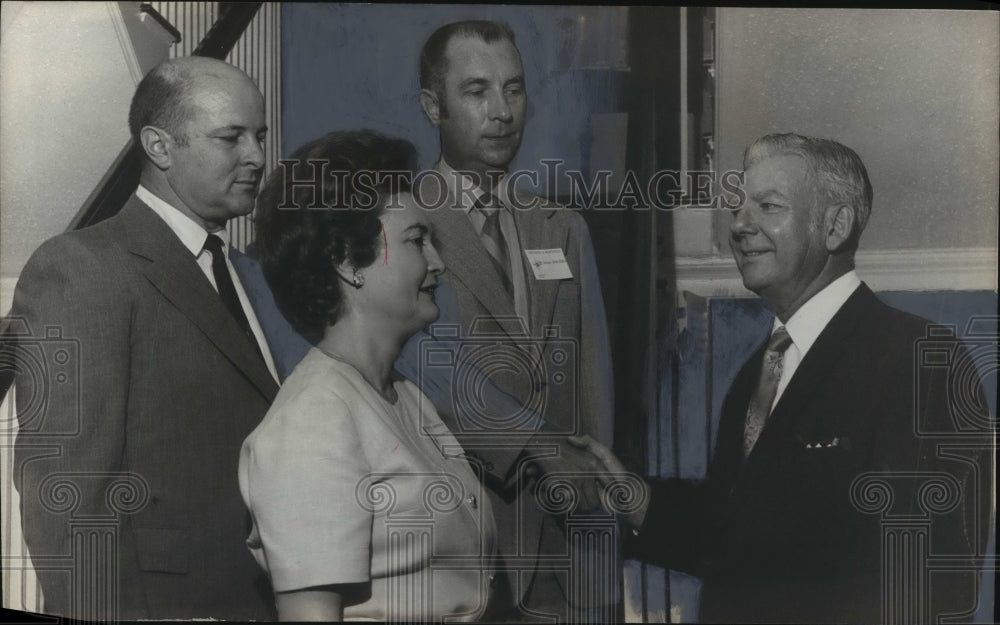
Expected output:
(300, 470)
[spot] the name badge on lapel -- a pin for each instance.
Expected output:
(548, 264)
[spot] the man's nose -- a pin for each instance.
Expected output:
(743, 222)
(253, 153)
(500, 108)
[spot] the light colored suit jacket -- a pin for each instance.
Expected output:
(556, 364)
(133, 424)
(565, 314)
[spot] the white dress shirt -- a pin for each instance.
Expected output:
(508, 227)
(193, 237)
(809, 321)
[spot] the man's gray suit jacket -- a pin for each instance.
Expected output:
(133, 423)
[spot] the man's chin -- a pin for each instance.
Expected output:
(752, 282)
(501, 158)
(241, 208)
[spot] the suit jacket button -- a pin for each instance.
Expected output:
(493, 581)
(489, 466)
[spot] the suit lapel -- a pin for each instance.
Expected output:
(175, 274)
(536, 231)
(469, 264)
(823, 356)
(728, 461)
(465, 258)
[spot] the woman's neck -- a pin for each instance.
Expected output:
(358, 345)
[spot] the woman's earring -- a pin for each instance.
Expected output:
(358, 281)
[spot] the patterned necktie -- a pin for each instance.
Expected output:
(492, 237)
(227, 290)
(767, 387)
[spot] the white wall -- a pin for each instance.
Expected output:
(68, 75)
(916, 93)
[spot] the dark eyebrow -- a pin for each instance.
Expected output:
(516, 80)
(468, 82)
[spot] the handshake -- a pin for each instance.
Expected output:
(597, 478)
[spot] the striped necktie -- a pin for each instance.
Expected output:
(492, 237)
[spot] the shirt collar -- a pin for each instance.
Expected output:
(811, 319)
(451, 178)
(191, 234)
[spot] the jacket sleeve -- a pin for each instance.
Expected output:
(673, 534)
(71, 386)
(597, 399)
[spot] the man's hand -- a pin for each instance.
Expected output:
(574, 462)
(597, 476)
(610, 470)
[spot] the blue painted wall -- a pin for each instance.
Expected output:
(352, 66)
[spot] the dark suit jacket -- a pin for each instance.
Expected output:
(782, 537)
(143, 434)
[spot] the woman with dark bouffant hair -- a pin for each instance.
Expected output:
(354, 484)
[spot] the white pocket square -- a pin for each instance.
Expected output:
(837, 441)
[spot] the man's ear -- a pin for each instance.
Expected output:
(432, 108)
(839, 224)
(156, 144)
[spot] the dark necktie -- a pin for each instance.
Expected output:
(227, 290)
(492, 237)
(767, 387)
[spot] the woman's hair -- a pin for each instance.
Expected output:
(320, 208)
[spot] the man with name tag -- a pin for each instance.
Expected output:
(528, 305)
(831, 432)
